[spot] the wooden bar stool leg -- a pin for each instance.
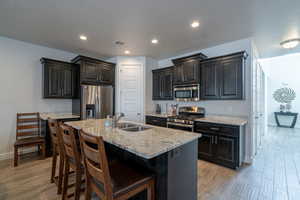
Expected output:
(16, 157)
(54, 160)
(65, 184)
(44, 150)
(60, 174)
(87, 190)
(78, 184)
(151, 191)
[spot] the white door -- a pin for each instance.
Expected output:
(258, 106)
(131, 91)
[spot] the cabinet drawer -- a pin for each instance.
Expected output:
(232, 131)
(156, 121)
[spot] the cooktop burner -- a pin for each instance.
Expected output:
(187, 115)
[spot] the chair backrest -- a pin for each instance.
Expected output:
(28, 125)
(71, 149)
(53, 127)
(96, 165)
(55, 136)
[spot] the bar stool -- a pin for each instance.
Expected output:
(116, 181)
(72, 159)
(57, 147)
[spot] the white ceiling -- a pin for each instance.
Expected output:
(58, 24)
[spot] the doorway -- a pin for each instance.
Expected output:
(130, 91)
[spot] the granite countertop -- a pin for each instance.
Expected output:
(163, 115)
(46, 116)
(227, 120)
(147, 144)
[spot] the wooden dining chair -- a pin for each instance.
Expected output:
(57, 148)
(72, 160)
(115, 181)
(28, 134)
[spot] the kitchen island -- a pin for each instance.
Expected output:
(170, 154)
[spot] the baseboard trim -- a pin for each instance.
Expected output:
(10, 155)
(248, 160)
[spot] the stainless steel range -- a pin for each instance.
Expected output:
(185, 118)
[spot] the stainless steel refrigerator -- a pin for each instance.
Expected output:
(96, 101)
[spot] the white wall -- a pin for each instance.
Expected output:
(228, 107)
(279, 70)
(21, 86)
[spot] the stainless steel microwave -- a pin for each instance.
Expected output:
(187, 92)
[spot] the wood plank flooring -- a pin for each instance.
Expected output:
(274, 175)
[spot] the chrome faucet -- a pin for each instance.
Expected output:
(116, 119)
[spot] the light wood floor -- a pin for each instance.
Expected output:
(275, 174)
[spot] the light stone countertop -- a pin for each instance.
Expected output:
(162, 115)
(147, 144)
(46, 116)
(227, 120)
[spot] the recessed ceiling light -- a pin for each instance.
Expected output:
(83, 37)
(127, 52)
(289, 44)
(195, 24)
(154, 41)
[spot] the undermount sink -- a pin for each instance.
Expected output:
(130, 127)
(137, 128)
(123, 125)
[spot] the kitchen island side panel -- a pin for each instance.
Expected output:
(182, 172)
(175, 171)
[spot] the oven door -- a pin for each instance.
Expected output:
(187, 93)
(184, 127)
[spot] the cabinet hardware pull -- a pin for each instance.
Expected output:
(214, 129)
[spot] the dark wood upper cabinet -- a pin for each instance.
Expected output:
(162, 88)
(59, 79)
(167, 83)
(107, 73)
(156, 85)
(209, 80)
(94, 71)
(187, 69)
(232, 78)
(223, 77)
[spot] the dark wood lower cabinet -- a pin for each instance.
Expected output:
(221, 144)
(226, 150)
(156, 121)
(205, 150)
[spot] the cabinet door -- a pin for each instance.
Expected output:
(107, 74)
(54, 81)
(226, 150)
(206, 147)
(209, 80)
(167, 85)
(231, 79)
(191, 72)
(178, 73)
(90, 71)
(156, 121)
(156, 86)
(67, 81)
